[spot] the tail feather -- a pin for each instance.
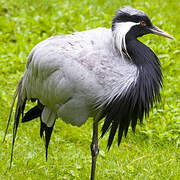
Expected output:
(9, 119)
(30, 115)
(19, 110)
(44, 129)
(23, 107)
(48, 133)
(16, 123)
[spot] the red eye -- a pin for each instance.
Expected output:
(142, 23)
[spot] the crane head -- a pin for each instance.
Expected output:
(132, 23)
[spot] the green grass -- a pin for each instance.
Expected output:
(151, 153)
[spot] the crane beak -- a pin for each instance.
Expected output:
(157, 31)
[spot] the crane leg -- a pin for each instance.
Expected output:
(94, 148)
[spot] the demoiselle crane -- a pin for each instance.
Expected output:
(99, 73)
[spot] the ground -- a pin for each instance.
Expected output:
(151, 153)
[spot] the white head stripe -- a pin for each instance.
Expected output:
(119, 34)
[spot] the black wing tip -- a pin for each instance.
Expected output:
(32, 114)
(46, 132)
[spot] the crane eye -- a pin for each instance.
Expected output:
(142, 23)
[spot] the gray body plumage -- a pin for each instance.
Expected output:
(72, 74)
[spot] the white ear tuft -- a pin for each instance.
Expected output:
(119, 35)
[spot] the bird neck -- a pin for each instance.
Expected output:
(150, 76)
(141, 55)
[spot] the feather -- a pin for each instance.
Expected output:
(9, 119)
(33, 113)
(46, 131)
(19, 110)
(136, 101)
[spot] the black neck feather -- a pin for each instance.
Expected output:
(139, 98)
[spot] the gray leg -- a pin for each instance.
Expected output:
(94, 149)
